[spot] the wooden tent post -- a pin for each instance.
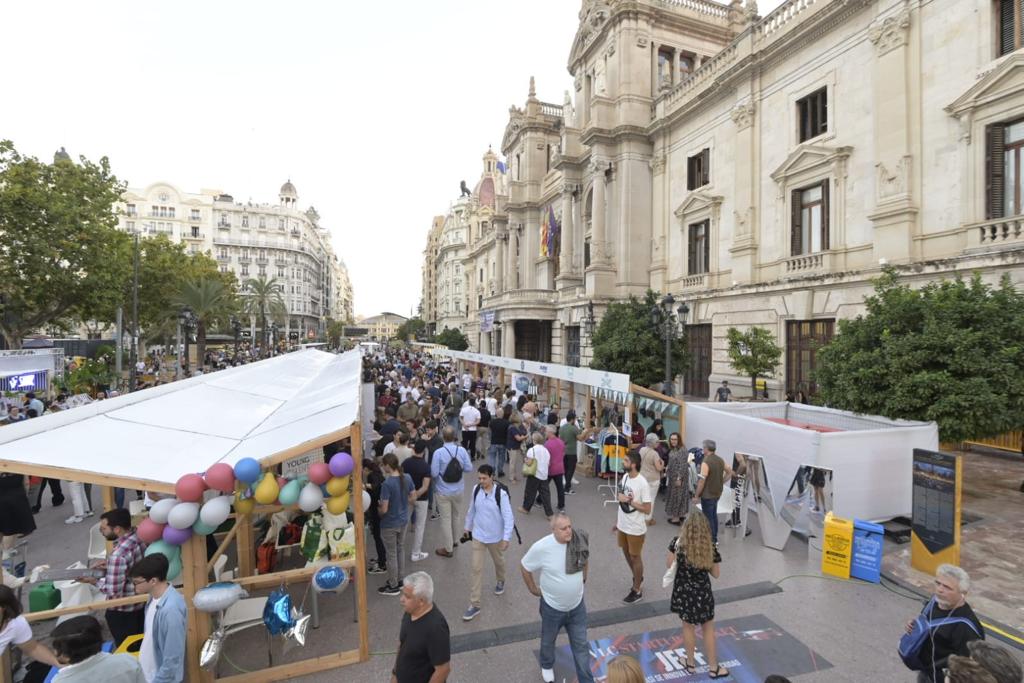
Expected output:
(246, 547)
(357, 479)
(558, 394)
(589, 410)
(197, 630)
(501, 379)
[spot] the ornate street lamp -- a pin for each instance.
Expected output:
(186, 321)
(236, 327)
(670, 324)
(588, 322)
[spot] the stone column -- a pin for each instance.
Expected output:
(744, 238)
(508, 338)
(598, 243)
(501, 241)
(485, 343)
(510, 275)
(566, 254)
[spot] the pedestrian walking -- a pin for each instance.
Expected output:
(446, 470)
(397, 494)
(374, 479)
(517, 435)
(949, 600)
(163, 649)
(678, 493)
(713, 475)
(496, 452)
(469, 418)
(424, 643)
(556, 465)
(634, 497)
(489, 524)
(417, 468)
(561, 559)
(697, 560)
(651, 466)
(571, 435)
(535, 468)
(15, 514)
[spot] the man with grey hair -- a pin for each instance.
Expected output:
(424, 644)
(710, 483)
(950, 600)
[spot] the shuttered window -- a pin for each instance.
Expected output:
(698, 248)
(1008, 14)
(1004, 169)
(812, 112)
(809, 229)
(698, 169)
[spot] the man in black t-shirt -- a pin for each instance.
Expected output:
(424, 643)
(951, 584)
(499, 436)
(429, 442)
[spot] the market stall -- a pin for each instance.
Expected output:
(238, 422)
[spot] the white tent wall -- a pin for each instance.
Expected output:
(871, 460)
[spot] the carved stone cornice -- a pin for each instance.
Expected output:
(657, 164)
(743, 115)
(890, 33)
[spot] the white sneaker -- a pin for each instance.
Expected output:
(575, 481)
(88, 513)
(416, 557)
(74, 519)
(548, 675)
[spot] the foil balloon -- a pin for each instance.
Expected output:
(214, 512)
(298, 630)
(330, 579)
(183, 515)
(277, 614)
(158, 513)
(290, 492)
(218, 596)
(210, 653)
(310, 498)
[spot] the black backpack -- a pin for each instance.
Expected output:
(453, 470)
(497, 499)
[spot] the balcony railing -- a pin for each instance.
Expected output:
(223, 224)
(699, 281)
(195, 235)
(262, 260)
(807, 263)
(996, 232)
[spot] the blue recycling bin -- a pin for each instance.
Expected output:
(867, 551)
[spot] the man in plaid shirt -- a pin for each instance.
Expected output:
(126, 620)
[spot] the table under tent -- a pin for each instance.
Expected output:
(272, 411)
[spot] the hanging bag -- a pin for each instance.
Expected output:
(530, 465)
(911, 643)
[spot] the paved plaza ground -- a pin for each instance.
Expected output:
(841, 630)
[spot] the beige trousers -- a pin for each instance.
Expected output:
(497, 555)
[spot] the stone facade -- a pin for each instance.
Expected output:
(252, 240)
(761, 169)
(382, 327)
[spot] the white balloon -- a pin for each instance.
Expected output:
(310, 498)
(366, 503)
(214, 512)
(183, 515)
(158, 513)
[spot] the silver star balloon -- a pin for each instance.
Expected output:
(298, 630)
(210, 653)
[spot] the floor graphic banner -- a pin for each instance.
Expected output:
(750, 647)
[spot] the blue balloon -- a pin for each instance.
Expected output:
(247, 470)
(277, 614)
(330, 579)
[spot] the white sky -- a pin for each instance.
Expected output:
(375, 110)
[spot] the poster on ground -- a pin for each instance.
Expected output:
(751, 647)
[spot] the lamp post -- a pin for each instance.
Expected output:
(186, 321)
(669, 325)
(133, 356)
(273, 339)
(236, 327)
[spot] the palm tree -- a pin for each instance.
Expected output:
(211, 302)
(264, 301)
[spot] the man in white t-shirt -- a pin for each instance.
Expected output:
(467, 382)
(561, 598)
(469, 416)
(634, 498)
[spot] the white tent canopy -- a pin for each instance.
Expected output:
(151, 438)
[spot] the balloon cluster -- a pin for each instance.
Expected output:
(172, 521)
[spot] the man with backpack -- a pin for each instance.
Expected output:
(945, 626)
(489, 524)
(446, 468)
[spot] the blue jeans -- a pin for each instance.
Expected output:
(575, 624)
(496, 457)
(710, 508)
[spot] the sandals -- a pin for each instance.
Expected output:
(690, 669)
(719, 673)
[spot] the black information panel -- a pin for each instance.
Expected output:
(934, 519)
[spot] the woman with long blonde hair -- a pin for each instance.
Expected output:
(625, 669)
(697, 560)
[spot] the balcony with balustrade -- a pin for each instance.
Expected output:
(996, 234)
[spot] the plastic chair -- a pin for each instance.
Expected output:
(97, 544)
(136, 507)
(219, 571)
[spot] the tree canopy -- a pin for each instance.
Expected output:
(626, 341)
(753, 354)
(952, 352)
(453, 339)
(61, 255)
(410, 328)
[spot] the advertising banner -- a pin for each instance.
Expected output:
(750, 647)
(935, 526)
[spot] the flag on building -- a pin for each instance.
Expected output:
(552, 235)
(502, 168)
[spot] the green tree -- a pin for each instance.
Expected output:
(753, 354)
(410, 328)
(212, 303)
(335, 331)
(626, 341)
(264, 302)
(453, 339)
(952, 352)
(61, 255)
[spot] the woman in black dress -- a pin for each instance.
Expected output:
(15, 512)
(697, 560)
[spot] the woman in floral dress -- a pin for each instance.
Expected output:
(697, 560)
(677, 479)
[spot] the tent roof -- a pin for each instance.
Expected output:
(152, 437)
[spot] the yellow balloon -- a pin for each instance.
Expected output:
(244, 506)
(267, 491)
(337, 504)
(337, 486)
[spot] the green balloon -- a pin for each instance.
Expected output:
(202, 529)
(174, 568)
(164, 548)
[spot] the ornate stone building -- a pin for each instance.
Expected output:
(428, 303)
(253, 240)
(761, 169)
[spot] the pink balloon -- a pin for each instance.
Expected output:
(221, 477)
(341, 464)
(189, 488)
(150, 531)
(319, 473)
(176, 536)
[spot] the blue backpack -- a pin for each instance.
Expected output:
(911, 643)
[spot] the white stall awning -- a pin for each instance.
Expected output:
(150, 438)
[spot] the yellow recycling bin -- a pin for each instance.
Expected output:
(837, 549)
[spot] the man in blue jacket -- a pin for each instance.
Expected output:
(163, 649)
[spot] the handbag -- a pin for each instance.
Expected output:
(529, 466)
(670, 575)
